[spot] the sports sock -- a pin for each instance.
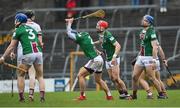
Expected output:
(109, 93)
(21, 95)
(82, 94)
(31, 92)
(135, 93)
(42, 93)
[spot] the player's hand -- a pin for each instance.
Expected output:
(114, 61)
(1, 60)
(154, 64)
(12, 55)
(165, 62)
(42, 45)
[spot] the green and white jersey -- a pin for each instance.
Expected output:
(146, 36)
(86, 43)
(28, 38)
(107, 44)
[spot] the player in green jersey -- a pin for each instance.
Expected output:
(31, 72)
(148, 56)
(94, 65)
(112, 49)
(143, 79)
(32, 52)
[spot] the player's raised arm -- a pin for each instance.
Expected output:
(71, 33)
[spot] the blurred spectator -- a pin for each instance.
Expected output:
(70, 5)
(163, 5)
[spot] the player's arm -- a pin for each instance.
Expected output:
(71, 34)
(117, 49)
(10, 48)
(162, 55)
(40, 35)
(155, 49)
(12, 54)
(154, 44)
(40, 40)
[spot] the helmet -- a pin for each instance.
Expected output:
(149, 18)
(20, 17)
(102, 23)
(29, 13)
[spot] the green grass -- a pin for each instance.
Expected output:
(94, 99)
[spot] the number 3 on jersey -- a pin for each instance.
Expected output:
(31, 34)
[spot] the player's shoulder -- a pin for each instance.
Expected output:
(32, 23)
(108, 34)
(84, 33)
(20, 28)
(151, 29)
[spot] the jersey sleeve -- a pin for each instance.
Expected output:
(153, 35)
(111, 39)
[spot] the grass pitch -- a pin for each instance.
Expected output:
(94, 99)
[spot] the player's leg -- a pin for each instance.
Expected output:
(21, 81)
(21, 85)
(38, 66)
(20, 76)
(32, 75)
(145, 85)
(161, 83)
(157, 73)
(114, 73)
(151, 75)
(98, 79)
(135, 77)
(83, 72)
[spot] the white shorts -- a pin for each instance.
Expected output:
(95, 65)
(145, 61)
(109, 65)
(33, 58)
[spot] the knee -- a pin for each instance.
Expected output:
(152, 79)
(135, 78)
(80, 75)
(98, 80)
(114, 79)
